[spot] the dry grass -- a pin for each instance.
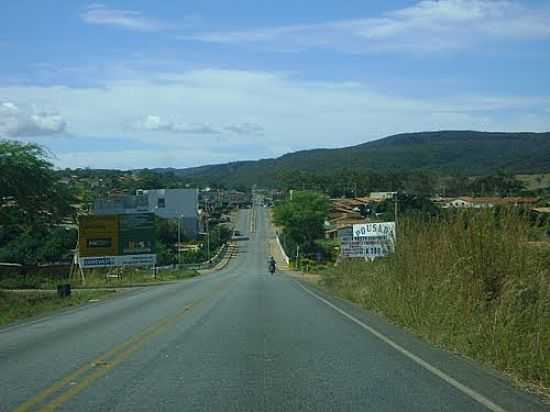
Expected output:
(21, 305)
(470, 283)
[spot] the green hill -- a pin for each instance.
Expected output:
(447, 152)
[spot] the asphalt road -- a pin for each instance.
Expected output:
(236, 340)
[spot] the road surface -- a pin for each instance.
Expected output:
(236, 340)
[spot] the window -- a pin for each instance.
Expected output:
(161, 202)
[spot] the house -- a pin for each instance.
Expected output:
(381, 196)
(483, 202)
(344, 213)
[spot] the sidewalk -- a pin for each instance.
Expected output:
(273, 246)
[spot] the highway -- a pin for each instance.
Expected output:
(237, 340)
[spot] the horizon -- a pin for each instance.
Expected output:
(131, 85)
(305, 150)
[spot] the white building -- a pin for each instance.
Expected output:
(382, 195)
(166, 203)
(176, 204)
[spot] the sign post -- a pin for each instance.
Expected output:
(368, 240)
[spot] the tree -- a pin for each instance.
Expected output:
(33, 204)
(30, 191)
(302, 218)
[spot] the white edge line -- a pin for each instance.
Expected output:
(437, 372)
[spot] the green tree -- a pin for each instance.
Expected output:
(33, 205)
(30, 191)
(302, 218)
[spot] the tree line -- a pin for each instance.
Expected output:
(353, 183)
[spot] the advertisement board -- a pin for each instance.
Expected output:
(110, 261)
(136, 234)
(368, 240)
(99, 235)
(380, 231)
(117, 240)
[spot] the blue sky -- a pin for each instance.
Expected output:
(155, 84)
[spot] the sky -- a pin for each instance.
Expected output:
(133, 84)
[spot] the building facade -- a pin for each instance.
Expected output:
(182, 204)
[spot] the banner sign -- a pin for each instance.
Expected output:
(110, 261)
(367, 240)
(137, 233)
(380, 231)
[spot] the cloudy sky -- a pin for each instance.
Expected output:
(130, 84)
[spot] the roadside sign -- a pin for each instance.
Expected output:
(136, 234)
(381, 231)
(99, 235)
(110, 261)
(368, 240)
(117, 240)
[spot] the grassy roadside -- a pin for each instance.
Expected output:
(470, 283)
(98, 279)
(21, 305)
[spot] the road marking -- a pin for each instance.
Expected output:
(75, 382)
(419, 361)
(253, 220)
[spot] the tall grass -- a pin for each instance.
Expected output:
(469, 282)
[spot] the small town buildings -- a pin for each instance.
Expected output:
(180, 204)
(482, 202)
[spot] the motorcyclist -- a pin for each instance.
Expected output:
(272, 265)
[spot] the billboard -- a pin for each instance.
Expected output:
(98, 235)
(117, 240)
(380, 231)
(368, 240)
(136, 234)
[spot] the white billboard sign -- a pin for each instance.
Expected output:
(382, 231)
(110, 261)
(368, 240)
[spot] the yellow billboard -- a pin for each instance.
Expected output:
(99, 235)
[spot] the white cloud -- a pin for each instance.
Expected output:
(155, 124)
(18, 122)
(427, 26)
(257, 114)
(245, 129)
(126, 19)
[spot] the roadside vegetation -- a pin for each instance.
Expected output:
(21, 305)
(99, 278)
(301, 220)
(470, 282)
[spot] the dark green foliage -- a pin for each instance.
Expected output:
(40, 246)
(30, 191)
(302, 219)
(35, 207)
(446, 152)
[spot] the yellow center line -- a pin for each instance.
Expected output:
(92, 371)
(105, 368)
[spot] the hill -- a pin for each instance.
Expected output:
(446, 152)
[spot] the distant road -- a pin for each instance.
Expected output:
(236, 340)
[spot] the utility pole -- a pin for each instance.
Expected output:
(207, 228)
(395, 209)
(179, 241)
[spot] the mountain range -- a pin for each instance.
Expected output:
(447, 152)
